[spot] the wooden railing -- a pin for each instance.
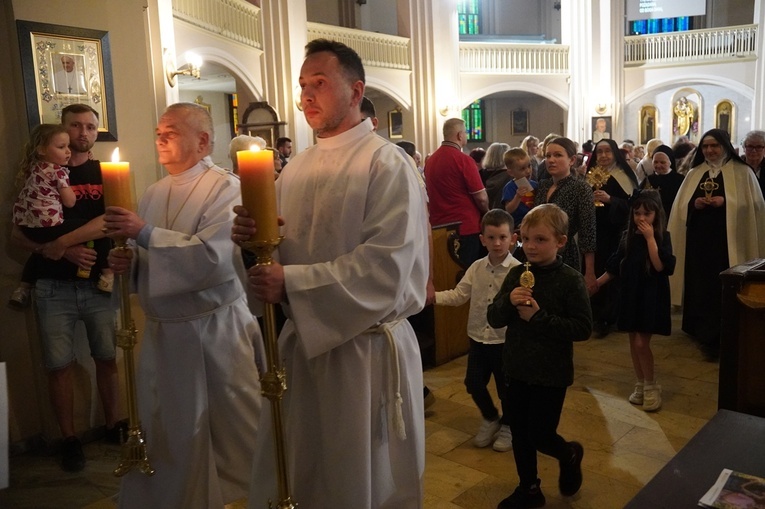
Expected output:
(510, 58)
(375, 49)
(235, 19)
(691, 47)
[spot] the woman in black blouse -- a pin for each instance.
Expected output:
(574, 196)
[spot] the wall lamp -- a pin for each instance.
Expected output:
(192, 68)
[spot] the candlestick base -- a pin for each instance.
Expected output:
(134, 454)
(263, 249)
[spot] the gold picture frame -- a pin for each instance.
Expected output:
(64, 65)
(520, 125)
(395, 124)
(725, 117)
(648, 123)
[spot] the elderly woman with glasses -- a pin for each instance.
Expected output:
(754, 155)
(717, 222)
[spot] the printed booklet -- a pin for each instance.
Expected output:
(734, 490)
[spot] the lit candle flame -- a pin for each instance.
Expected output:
(254, 148)
(116, 155)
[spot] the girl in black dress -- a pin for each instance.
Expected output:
(643, 263)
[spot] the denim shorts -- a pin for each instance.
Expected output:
(60, 305)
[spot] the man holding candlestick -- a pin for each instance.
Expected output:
(197, 379)
(352, 266)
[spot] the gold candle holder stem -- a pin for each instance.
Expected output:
(273, 382)
(133, 452)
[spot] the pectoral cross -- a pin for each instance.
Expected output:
(708, 186)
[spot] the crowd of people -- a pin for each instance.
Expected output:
(559, 243)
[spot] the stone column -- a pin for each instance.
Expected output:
(284, 40)
(434, 43)
(758, 101)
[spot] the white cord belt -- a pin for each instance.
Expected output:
(396, 416)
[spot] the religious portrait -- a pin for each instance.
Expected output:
(66, 65)
(520, 122)
(69, 74)
(648, 123)
(601, 128)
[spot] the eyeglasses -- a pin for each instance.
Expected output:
(754, 147)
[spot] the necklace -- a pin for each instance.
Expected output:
(170, 223)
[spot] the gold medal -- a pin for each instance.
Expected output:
(527, 279)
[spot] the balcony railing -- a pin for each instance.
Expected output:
(509, 58)
(375, 49)
(235, 19)
(691, 47)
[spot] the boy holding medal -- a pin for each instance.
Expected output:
(545, 307)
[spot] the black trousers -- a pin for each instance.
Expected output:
(483, 362)
(534, 416)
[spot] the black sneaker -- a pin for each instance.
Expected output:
(570, 479)
(73, 459)
(524, 498)
(116, 434)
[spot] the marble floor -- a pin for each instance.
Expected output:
(624, 446)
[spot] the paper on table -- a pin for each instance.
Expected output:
(733, 490)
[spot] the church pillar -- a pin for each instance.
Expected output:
(284, 43)
(758, 101)
(434, 46)
(577, 33)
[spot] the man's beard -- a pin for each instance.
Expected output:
(81, 146)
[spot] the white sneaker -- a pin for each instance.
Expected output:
(651, 397)
(636, 398)
(486, 433)
(504, 441)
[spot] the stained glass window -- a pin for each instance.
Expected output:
(473, 116)
(657, 26)
(469, 16)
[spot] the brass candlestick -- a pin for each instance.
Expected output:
(133, 453)
(597, 178)
(273, 382)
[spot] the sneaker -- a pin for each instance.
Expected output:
(73, 460)
(570, 479)
(652, 397)
(106, 283)
(430, 398)
(486, 433)
(524, 498)
(504, 440)
(636, 398)
(116, 434)
(20, 297)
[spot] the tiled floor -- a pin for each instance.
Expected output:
(624, 447)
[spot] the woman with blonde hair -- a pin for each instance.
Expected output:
(530, 144)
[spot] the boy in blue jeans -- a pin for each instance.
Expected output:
(479, 284)
(545, 307)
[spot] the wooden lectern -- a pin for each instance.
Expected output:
(742, 340)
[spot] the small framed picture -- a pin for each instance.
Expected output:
(520, 122)
(601, 128)
(395, 124)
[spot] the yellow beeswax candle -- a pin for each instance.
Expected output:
(116, 181)
(256, 171)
